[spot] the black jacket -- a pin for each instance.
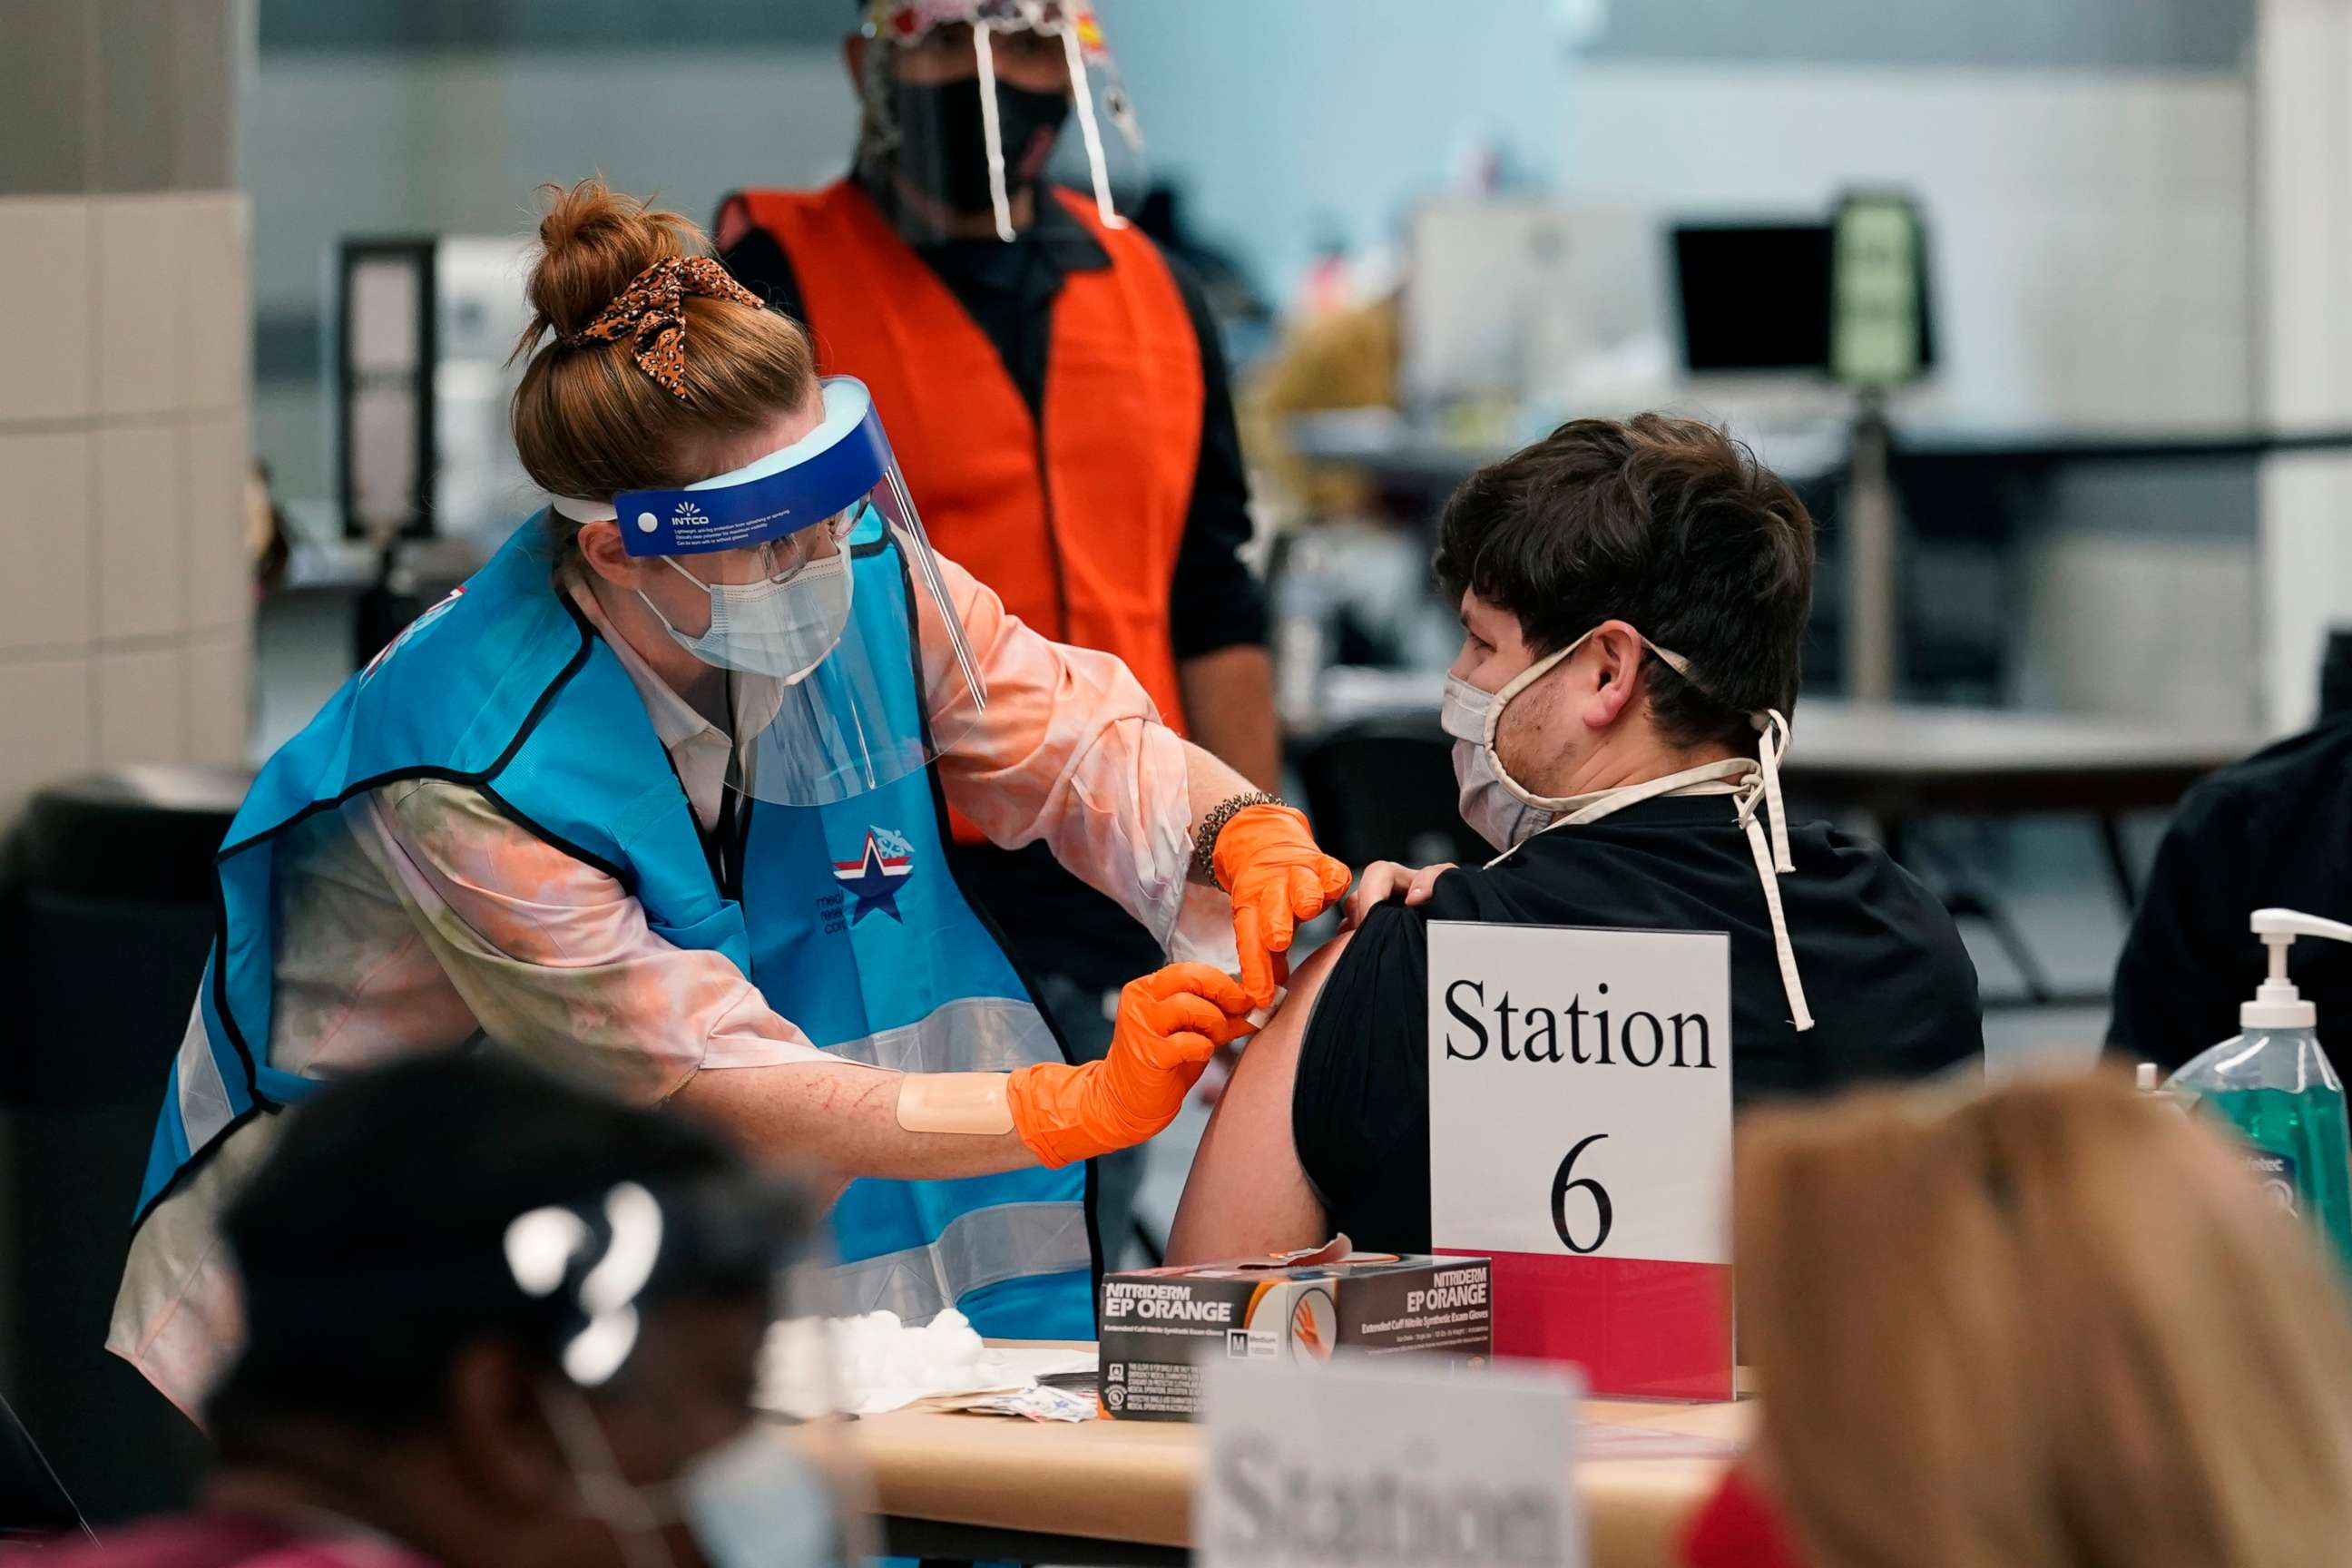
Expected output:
(2275, 830)
(1891, 987)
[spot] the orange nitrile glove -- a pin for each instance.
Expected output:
(1169, 1023)
(1266, 861)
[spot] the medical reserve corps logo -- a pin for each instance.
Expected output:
(877, 876)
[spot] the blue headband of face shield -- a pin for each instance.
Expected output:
(832, 467)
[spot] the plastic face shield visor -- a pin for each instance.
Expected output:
(989, 28)
(850, 667)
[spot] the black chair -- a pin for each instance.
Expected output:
(1383, 789)
(34, 1504)
(106, 914)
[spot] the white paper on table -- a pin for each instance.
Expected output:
(873, 1364)
(1037, 1363)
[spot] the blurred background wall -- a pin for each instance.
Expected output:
(125, 609)
(2088, 172)
(2087, 167)
(126, 623)
(435, 118)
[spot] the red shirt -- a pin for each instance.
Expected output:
(1738, 1527)
(220, 1540)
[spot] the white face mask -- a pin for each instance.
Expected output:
(1506, 814)
(751, 1502)
(780, 630)
(755, 1502)
(1493, 813)
(1499, 808)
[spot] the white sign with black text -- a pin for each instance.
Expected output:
(1579, 1091)
(1362, 1461)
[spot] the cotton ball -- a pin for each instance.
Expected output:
(950, 1339)
(880, 1363)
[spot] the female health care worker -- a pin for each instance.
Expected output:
(659, 792)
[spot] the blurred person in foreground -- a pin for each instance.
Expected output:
(2052, 1326)
(528, 1340)
(1634, 598)
(1057, 395)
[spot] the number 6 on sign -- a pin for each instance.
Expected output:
(1618, 1044)
(1561, 1187)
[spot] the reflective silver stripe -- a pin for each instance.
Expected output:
(203, 1098)
(1004, 1241)
(976, 1033)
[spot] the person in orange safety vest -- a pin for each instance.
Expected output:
(1059, 399)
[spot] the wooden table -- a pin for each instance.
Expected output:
(980, 1486)
(1901, 761)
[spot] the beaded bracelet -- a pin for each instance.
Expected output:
(1204, 837)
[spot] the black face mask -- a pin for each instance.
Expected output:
(943, 142)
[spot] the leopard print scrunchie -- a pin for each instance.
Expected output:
(651, 313)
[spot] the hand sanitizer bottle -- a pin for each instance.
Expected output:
(2275, 1088)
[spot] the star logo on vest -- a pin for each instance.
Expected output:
(878, 875)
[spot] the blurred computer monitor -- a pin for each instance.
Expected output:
(1756, 297)
(423, 329)
(1526, 299)
(382, 387)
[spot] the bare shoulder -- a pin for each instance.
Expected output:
(1247, 1192)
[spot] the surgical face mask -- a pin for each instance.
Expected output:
(1493, 814)
(943, 141)
(751, 1502)
(1499, 808)
(755, 1502)
(782, 629)
(1507, 814)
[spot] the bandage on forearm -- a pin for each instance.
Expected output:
(966, 1103)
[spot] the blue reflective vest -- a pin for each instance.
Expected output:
(845, 916)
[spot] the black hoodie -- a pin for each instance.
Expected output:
(1892, 991)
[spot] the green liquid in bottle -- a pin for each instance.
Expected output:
(2298, 1147)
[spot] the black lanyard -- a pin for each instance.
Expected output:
(727, 846)
(725, 843)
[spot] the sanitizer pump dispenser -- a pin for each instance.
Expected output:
(2275, 1088)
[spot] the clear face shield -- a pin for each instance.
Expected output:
(655, 1296)
(807, 575)
(966, 102)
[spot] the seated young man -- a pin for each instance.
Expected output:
(1633, 597)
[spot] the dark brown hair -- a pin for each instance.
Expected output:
(587, 421)
(1667, 524)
